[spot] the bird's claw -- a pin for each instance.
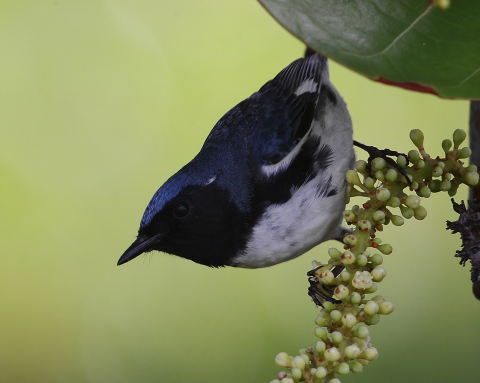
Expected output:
(378, 153)
(320, 292)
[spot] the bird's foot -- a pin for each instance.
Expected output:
(320, 292)
(385, 153)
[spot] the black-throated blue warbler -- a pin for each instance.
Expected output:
(267, 185)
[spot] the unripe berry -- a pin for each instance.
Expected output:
(378, 163)
(352, 351)
(425, 191)
(446, 145)
(355, 366)
(383, 194)
(342, 369)
(320, 347)
(341, 292)
(393, 202)
(378, 273)
(464, 153)
(413, 201)
(391, 175)
(385, 308)
(321, 332)
(414, 156)
(385, 249)
(282, 360)
(402, 161)
(378, 215)
(471, 178)
(331, 354)
(370, 354)
(349, 320)
(416, 135)
(336, 316)
(371, 308)
(337, 337)
(397, 220)
(420, 213)
(361, 166)
(320, 373)
(347, 258)
(296, 374)
(459, 136)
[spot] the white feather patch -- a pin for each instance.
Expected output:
(308, 86)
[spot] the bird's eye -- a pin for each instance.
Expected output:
(181, 209)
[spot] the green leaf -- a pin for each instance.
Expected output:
(408, 43)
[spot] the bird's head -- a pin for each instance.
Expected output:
(194, 216)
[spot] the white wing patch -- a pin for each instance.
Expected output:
(308, 86)
(210, 180)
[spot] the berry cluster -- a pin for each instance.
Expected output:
(342, 284)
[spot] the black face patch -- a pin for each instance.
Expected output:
(211, 234)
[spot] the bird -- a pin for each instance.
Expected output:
(269, 182)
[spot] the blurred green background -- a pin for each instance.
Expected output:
(100, 102)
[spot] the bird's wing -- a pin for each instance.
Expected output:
(284, 108)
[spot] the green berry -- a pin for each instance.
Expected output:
(296, 374)
(413, 201)
(459, 136)
(385, 308)
(282, 360)
(352, 178)
(378, 273)
(369, 183)
(471, 168)
(416, 135)
(378, 299)
(347, 258)
(370, 354)
(352, 351)
(379, 175)
(407, 212)
(414, 156)
(349, 320)
(379, 163)
(402, 161)
(391, 175)
(321, 332)
(471, 178)
(345, 276)
(298, 362)
(383, 194)
(355, 298)
(342, 369)
(334, 253)
(393, 202)
(349, 216)
(385, 249)
(371, 308)
(378, 215)
(361, 166)
(372, 320)
(320, 347)
(397, 220)
(331, 354)
(361, 260)
(355, 366)
(341, 292)
(446, 145)
(437, 171)
(420, 212)
(320, 373)
(445, 185)
(362, 332)
(350, 240)
(364, 225)
(336, 316)
(376, 259)
(424, 191)
(337, 337)
(420, 164)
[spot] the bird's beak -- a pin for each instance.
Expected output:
(141, 245)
